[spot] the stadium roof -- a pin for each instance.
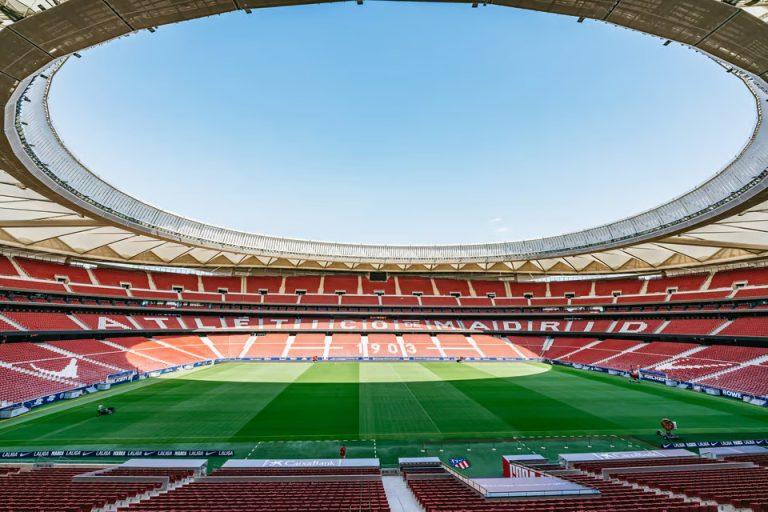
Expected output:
(50, 202)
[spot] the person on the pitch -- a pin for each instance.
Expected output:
(343, 452)
(634, 374)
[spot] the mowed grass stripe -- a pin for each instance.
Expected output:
(592, 403)
(518, 409)
(239, 404)
(200, 407)
(387, 403)
(454, 413)
(321, 404)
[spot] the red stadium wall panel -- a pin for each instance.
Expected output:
(360, 300)
(154, 295)
(86, 289)
(388, 300)
(439, 301)
(280, 299)
(319, 299)
(29, 285)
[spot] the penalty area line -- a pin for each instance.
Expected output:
(253, 449)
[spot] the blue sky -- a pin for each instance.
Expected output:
(400, 123)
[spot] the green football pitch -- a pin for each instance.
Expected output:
(477, 410)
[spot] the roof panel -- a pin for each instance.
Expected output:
(742, 41)
(77, 24)
(686, 21)
(151, 13)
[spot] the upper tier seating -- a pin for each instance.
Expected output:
(118, 277)
(451, 286)
(216, 283)
(40, 269)
(520, 289)
(347, 284)
(371, 287)
(410, 285)
(257, 284)
(560, 288)
(606, 287)
(689, 283)
(169, 281)
(7, 268)
(309, 284)
(483, 288)
(751, 276)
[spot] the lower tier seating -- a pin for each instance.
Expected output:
(219, 494)
(447, 494)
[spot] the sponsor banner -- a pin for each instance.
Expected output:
(301, 463)
(715, 444)
(116, 378)
(571, 458)
(35, 454)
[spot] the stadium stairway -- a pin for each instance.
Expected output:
(399, 496)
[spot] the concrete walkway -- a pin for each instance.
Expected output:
(399, 496)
